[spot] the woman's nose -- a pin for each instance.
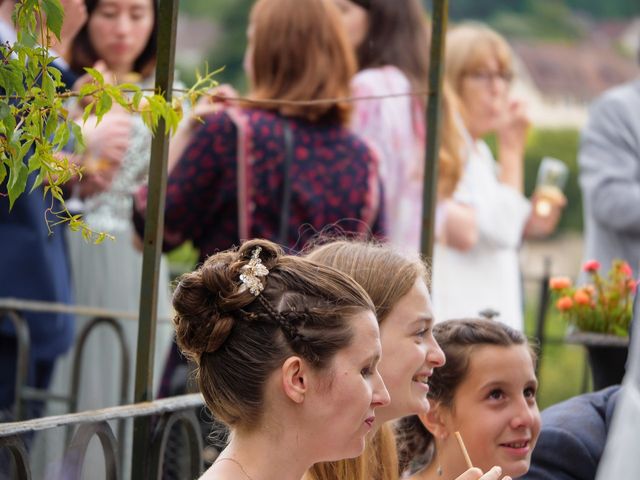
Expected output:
(380, 396)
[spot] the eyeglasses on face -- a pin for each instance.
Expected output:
(488, 77)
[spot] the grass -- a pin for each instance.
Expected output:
(563, 371)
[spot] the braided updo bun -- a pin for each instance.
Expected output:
(242, 313)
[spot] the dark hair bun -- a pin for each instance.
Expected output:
(205, 300)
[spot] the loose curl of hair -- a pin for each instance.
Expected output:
(237, 339)
(458, 339)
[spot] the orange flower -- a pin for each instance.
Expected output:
(564, 303)
(632, 285)
(582, 297)
(559, 283)
(591, 266)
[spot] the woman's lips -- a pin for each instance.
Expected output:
(369, 421)
(517, 447)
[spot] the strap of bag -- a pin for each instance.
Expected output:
(286, 185)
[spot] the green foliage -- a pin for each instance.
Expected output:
(547, 19)
(35, 123)
(232, 17)
(563, 145)
(485, 9)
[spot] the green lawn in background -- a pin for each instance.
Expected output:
(562, 371)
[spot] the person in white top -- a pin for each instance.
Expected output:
(476, 256)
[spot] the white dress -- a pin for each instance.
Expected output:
(488, 275)
(109, 276)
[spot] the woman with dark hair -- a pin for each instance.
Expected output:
(124, 52)
(287, 353)
(487, 392)
(392, 46)
(120, 37)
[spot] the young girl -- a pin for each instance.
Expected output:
(397, 285)
(487, 393)
(287, 353)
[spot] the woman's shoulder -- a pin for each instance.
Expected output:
(388, 77)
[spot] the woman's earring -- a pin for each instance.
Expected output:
(439, 470)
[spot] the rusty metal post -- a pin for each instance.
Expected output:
(436, 64)
(153, 234)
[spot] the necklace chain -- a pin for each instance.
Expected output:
(233, 460)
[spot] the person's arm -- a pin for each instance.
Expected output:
(561, 455)
(512, 137)
(609, 160)
(457, 227)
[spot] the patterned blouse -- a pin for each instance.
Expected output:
(335, 182)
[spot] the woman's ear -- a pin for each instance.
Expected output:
(434, 421)
(295, 378)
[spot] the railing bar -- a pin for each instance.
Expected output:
(49, 307)
(164, 405)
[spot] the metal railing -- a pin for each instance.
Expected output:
(14, 310)
(168, 413)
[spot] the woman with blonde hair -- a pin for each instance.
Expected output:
(287, 353)
(397, 285)
(481, 247)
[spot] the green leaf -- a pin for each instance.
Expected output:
(96, 75)
(17, 181)
(55, 15)
(5, 110)
(3, 172)
(103, 105)
(38, 181)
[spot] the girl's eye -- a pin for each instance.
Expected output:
(530, 392)
(496, 394)
(366, 372)
(108, 13)
(422, 333)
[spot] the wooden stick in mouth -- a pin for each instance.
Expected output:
(464, 450)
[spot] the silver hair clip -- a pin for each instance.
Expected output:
(251, 272)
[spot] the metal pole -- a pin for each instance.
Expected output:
(436, 62)
(153, 234)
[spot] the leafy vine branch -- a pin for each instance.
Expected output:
(40, 138)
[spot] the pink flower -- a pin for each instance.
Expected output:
(632, 285)
(559, 283)
(626, 269)
(591, 266)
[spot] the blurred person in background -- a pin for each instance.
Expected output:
(273, 169)
(486, 216)
(34, 263)
(391, 40)
(609, 162)
(119, 39)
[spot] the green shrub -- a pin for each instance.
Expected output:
(563, 145)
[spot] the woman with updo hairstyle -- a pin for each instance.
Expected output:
(397, 285)
(286, 352)
(487, 392)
